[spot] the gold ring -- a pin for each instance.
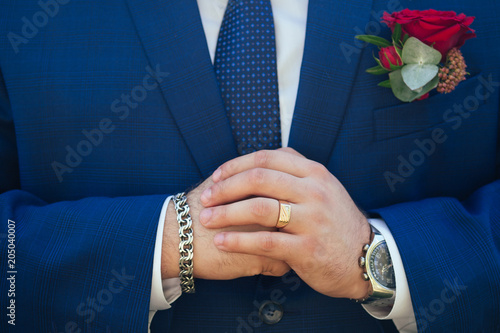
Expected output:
(284, 216)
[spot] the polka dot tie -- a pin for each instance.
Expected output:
(245, 65)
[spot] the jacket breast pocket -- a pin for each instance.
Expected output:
(409, 118)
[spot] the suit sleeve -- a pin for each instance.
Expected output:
(77, 266)
(450, 251)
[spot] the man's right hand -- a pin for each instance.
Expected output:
(209, 262)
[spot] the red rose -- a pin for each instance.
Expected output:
(445, 29)
(389, 56)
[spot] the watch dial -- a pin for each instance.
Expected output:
(381, 266)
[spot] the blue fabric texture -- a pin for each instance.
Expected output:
(245, 65)
(107, 107)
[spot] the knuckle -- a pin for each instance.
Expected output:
(283, 269)
(318, 194)
(266, 241)
(256, 177)
(261, 159)
(265, 265)
(275, 268)
(227, 169)
(290, 150)
(255, 270)
(318, 169)
(252, 266)
(282, 179)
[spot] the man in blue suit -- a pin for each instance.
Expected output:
(108, 108)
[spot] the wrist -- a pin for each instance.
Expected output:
(379, 272)
(186, 242)
(360, 287)
(170, 245)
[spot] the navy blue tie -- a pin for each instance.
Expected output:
(245, 65)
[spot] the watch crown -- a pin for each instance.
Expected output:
(362, 262)
(366, 247)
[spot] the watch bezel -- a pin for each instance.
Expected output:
(371, 259)
(380, 292)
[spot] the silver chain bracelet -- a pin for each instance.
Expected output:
(186, 243)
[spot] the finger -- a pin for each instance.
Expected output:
(275, 245)
(261, 211)
(291, 151)
(280, 160)
(273, 267)
(255, 182)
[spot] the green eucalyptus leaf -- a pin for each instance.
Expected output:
(416, 76)
(399, 88)
(416, 52)
(377, 70)
(403, 92)
(375, 40)
(385, 84)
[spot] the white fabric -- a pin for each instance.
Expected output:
(290, 19)
(165, 292)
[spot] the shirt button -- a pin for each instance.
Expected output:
(271, 312)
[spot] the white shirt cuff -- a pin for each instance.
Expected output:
(163, 293)
(402, 311)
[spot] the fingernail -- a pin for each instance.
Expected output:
(219, 239)
(205, 216)
(217, 175)
(206, 195)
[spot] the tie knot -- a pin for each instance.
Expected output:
(262, 6)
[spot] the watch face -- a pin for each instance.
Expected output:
(381, 266)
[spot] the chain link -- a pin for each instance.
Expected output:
(186, 243)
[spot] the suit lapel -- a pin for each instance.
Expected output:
(173, 38)
(327, 75)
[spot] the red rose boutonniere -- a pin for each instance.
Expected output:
(424, 53)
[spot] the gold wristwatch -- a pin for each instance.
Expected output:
(380, 272)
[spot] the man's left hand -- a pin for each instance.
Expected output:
(326, 232)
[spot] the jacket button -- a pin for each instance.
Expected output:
(271, 312)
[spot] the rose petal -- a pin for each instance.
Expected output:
(430, 25)
(468, 20)
(442, 29)
(445, 34)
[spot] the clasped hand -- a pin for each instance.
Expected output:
(322, 242)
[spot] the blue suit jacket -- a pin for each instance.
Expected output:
(92, 142)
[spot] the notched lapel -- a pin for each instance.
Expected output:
(327, 75)
(173, 38)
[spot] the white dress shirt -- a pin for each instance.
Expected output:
(290, 19)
